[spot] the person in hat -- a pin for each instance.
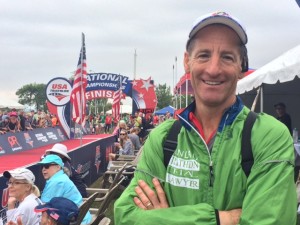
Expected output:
(58, 183)
(58, 211)
(23, 196)
(62, 151)
(283, 116)
(204, 181)
(14, 124)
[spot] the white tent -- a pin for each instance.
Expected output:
(127, 109)
(279, 82)
(8, 103)
(282, 69)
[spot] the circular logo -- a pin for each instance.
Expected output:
(58, 91)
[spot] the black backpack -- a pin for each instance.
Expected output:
(170, 143)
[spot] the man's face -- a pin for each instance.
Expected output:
(215, 66)
(280, 110)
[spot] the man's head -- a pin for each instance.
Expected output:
(224, 19)
(215, 60)
(280, 108)
(59, 211)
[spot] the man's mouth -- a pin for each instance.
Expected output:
(212, 82)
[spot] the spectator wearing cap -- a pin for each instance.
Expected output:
(282, 115)
(58, 211)
(62, 151)
(23, 196)
(58, 183)
(14, 124)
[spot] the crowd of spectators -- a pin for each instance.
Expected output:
(16, 121)
(63, 192)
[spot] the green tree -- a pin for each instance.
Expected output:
(163, 94)
(33, 95)
(99, 105)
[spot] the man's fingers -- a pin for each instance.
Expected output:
(160, 193)
(144, 198)
(150, 194)
(138, 203)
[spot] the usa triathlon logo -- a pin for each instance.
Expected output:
(58, 91)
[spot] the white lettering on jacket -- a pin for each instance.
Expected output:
(183, 170)
(182, 182)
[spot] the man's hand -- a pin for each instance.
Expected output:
(147, 198)
(231, 217)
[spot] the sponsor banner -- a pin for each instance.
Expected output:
(58, 91)
(107, 82)
(89, 160)
(12, 143)
(94, 94)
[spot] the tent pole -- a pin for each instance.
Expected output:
(262, 98)
(186, 90)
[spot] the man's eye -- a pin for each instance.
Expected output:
(228, 58)
(202, 56)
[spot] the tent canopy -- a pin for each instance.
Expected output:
(280, 83)
(163, 111)
(284, 68)
(124, 109)
(8, 103)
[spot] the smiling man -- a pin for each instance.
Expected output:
(204, 182)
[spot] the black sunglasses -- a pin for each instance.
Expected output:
(122, 134)
(46, 166)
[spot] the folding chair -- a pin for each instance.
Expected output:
(99, 214)
(84, 208)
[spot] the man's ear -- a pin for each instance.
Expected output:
(186, 62)
(241, 76)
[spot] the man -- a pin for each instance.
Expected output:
(102, 122)
(58, 211)
(204, 182)
(282, 116)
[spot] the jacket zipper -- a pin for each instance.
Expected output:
(211, 169)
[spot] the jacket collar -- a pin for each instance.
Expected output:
(227, 119)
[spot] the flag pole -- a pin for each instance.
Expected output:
(81, 88)
(120, 89)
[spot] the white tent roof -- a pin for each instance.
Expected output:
(8, 103)
(123, 109)
(282, 69)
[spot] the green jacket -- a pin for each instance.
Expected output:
(267, 196)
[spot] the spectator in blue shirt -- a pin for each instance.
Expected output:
(58, 183)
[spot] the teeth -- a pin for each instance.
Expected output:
(212, 82)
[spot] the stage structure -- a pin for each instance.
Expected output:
(100, 85)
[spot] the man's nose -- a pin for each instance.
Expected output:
(214, 66)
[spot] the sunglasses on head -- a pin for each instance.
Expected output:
(46, 166)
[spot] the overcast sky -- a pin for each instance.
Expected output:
(41, 39)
